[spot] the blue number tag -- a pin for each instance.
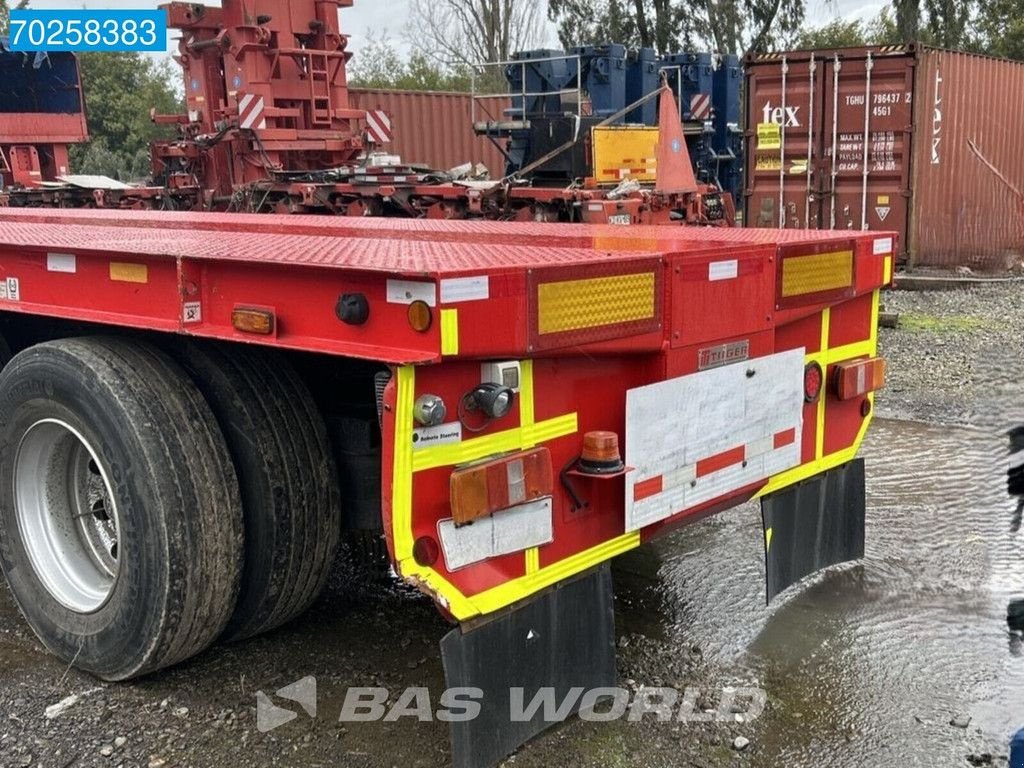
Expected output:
(88, 30)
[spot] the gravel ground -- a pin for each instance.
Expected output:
(957, 356)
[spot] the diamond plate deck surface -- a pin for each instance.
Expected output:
(397, 246)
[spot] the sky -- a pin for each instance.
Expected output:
(388, 17)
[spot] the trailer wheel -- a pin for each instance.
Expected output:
(5, 352)
(120, 516)
(286, 471)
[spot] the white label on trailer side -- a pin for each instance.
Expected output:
(723, 270)
(442, 434)
(408, 291)
(698, 437)
(883, 246)
(455, 289)
(191, 312)
(61, 262)
(10, 289)
(504, 532)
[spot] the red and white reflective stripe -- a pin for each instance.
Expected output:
(700, 107)
(686, 487)
(251, 112)
(378, 126)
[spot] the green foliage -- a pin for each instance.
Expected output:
(1000, 27)
(379, 65)
(5, 14)
(727, 26)
(850, 34)
(120, 89)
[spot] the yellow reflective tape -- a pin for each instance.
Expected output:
(816, 273)
(526, 419)
(125, 272)
(768, 539)
(401, 480)
(500, 442)
(826, 327)
(887, 271)
(571, 305)
(449, 331)
(532, 560)
(526, 409)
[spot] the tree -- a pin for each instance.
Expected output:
(379, 65)
(855, 33)
(1000, 27)
(120, 89)
(465, 33)
(727, 26)
(5, 14)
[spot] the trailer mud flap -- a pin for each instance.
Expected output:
(812, 525)
(564, 639)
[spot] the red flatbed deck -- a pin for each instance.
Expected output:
(187, 272)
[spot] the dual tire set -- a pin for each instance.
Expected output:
(153, 501)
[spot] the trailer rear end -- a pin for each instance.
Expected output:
(536, 399)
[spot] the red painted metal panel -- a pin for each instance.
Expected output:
(966, 158)
(436, 128)
(911, 139)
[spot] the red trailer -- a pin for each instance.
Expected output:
(198, 404)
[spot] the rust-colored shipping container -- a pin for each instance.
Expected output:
(926, 142)
(436, 127)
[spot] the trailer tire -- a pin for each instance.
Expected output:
(287, 475)
(5, 352)
(120, 515)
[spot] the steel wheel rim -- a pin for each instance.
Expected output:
(67, 515)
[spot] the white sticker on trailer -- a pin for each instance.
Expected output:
(10, 289)
(455, 289)
(61, 262)
(883, 246)
(507, 531)
(698, 437)
(408, 291)
(723, 270)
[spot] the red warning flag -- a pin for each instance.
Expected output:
(675, 171)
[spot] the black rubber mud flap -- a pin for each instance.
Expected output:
(561, 640)
(812, 525)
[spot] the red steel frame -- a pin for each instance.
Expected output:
(186, 273)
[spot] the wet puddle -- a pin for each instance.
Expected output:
(867, 663)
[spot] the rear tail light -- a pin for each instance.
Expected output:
(858, 378)
(814, 379)
(483, 489)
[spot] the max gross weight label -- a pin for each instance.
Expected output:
(88, 30)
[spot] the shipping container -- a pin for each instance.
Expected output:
(922, 141)
(435, 128)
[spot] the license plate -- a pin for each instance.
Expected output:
(621, 219)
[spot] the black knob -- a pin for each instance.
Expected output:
(352, 309)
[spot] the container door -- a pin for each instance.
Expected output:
(867, 113)
(784, 143)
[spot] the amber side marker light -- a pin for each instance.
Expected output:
(420, 316)
(858, 378)
(258, 321)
